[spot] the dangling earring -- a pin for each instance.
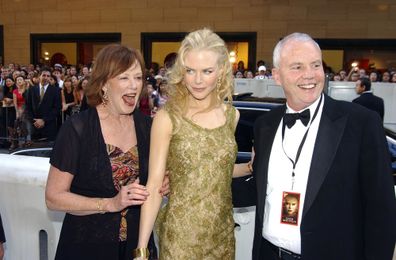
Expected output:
(218, 84)
(105, 97)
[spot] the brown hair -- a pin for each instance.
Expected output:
(111, 61)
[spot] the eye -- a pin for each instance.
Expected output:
(189, 71)
(317, 65)
(207, 72)
(295, 67)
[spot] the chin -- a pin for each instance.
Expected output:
(128, 111)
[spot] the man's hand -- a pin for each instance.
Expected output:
(38, 123)
(165, 185)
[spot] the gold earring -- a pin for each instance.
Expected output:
(105, 98)
(218, 84)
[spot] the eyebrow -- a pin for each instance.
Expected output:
(208, 68)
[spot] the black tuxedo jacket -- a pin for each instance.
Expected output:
(372, 102)
(48, 109)
(350, 207)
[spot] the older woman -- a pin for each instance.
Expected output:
(99, 163)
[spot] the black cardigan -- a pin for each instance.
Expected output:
(80, 150)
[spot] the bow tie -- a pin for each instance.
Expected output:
(289, 119)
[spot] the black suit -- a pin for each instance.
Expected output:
(369, 100)
(350, 208)
(48, 110)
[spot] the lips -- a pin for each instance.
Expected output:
(198, 89)
(307, 86)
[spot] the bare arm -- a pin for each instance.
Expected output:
(58, 196)
(160, 138)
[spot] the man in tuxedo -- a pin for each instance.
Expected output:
(332, 157)
(43, 106)
(367, 98)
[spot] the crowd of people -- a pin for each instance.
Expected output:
(355, 73)
(321, 167)
(16, 80)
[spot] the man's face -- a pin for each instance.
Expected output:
(57, 74)
(358, 87)
(343, 74)
(44, 77)
(73, 71)
(5, 72)
(300, 73)
(354, 76)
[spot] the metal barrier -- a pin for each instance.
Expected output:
(32, 231)
(28, 224)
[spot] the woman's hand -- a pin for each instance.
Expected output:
(131, 194)
(64, 107)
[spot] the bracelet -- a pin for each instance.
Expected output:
(142, 252)
(99, 206)
(249, 165)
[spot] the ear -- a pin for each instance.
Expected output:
(276, 76)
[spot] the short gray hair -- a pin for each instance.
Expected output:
(301, 37)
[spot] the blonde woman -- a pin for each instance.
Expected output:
(193, 138)
(22, 125)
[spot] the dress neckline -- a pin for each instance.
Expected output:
(226, 113)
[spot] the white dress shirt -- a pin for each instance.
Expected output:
(280, 170)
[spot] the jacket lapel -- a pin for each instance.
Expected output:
(267, 131)
(331, 129)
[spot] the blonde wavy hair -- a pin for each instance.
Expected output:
(203, 39)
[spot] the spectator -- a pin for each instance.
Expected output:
(84, 72)
(343, 75)
(393, 77)
(238, 75)
(162, 96)
(146, 103)
(367, 98)
(385, 76)
(69, 98)
(249, 74)
(43, 107)
(259, 63)
(22, 125)
(373, 76)
(82, 103)
(241, 67)
(261, 73)
(58, 74)
(337, 77)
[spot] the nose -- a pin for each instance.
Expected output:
(198, 78)
(309, 73)
(134, 84)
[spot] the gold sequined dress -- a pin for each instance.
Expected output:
(197, 223)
